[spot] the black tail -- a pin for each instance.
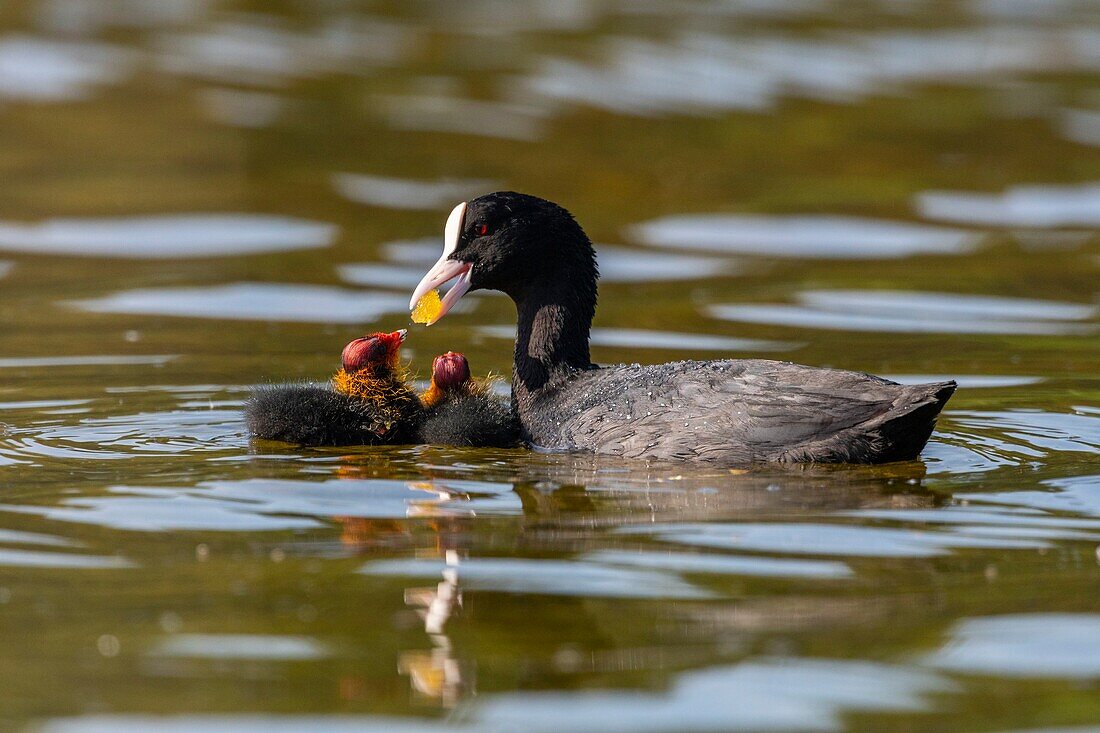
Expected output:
(909, 425)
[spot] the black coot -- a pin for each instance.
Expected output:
(367, 402)
(461, 411)
(729, 411)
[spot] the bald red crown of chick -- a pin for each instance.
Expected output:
(450, 371)
(372, 351)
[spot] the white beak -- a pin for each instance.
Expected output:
(445, 270)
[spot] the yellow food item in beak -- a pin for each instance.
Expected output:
(427, 308)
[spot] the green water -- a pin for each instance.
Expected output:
(155, 563)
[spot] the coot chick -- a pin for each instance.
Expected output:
(366, 403)
(728, 411)
(462, 411)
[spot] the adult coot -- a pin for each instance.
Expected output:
(367, 402)
(462, 411)
(729, 411)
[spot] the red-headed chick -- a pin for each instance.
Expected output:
(463, 411)
(366, 403)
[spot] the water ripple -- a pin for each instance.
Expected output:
(617, 264)
(61, 560)
(759, 694)
(253, 302)
(546, 577)
(1034, 432)
(1020, 206)
(812, 694)
(1060, 645)
(724, 564)
(126, 436)
(895, 311)
(828, 539)
(44, 70)
(272, 504)
(638, 338)
(166, 236)
(701, 73)
(450, 114)
(241, 646)
(802, 236)
(1076, 494)
(399, 193)
(35, 362)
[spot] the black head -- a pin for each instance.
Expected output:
(514, 243)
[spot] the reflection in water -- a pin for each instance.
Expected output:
(645, 339)
(37, 405)
(549, 577)
(763, 694)
(35, 538)
(705, 73)
(262, 53)
(240, 646)
(1081, 126)
(253, 302)
(617, 264)
(1034, 433)
(160, 510)
(803, 236)
(438, 113)
(239, 723)
(893, 302)
(1076, 494)
(10, 557)
(147, 434)
(560, 502)
(167, 237)
(159, 572)
(254, 110)
(420, 253)
(1020, 206)
(714, 564)
(1023, 645)
(1014, 522)
(438, 674)
(623, 265)
(41, 70)
(894, 311)
(230, 52)
(270, 504)
(396, 193)
(90, 18)
(382, 276)
(976, 441)
(832, 539)
(37, 362)
(967, 381)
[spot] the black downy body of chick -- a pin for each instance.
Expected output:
(727, 412)
(462, 412)
(367, 402)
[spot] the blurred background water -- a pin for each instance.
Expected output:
(200, 195)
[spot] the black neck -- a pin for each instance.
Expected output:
(552, 335)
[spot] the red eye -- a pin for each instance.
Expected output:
(483, 230)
